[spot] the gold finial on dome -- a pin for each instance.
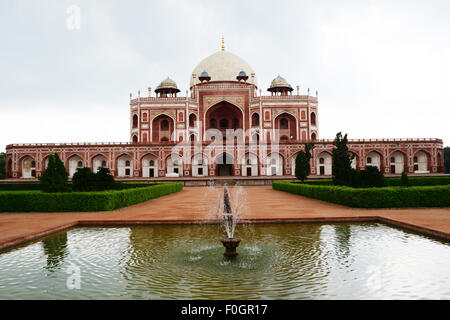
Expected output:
(223, 44)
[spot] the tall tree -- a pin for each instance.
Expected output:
(2, 165)
(302, 165)
(55, 176)
(447, 159)
(342, 161)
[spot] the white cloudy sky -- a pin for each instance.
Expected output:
(382, 68)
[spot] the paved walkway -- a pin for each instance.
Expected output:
(193, 205)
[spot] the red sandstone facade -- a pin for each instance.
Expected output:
(224, 127)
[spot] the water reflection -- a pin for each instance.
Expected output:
(55, 249)
(285, 261)
(343, 236)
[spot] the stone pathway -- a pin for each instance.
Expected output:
(193, 205)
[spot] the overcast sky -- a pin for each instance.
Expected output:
(382, 68)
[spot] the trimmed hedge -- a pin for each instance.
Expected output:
(388, 197)
(321, 182)
(37, 186)
(19, 186)
(419, 181)
(37, 201)
(393, 182)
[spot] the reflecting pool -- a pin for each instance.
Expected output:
(275, 261)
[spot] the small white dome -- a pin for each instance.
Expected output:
(223, 66)
(279, 82)
(167, 83)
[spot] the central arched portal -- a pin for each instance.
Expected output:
(223, 116)
(224, 165)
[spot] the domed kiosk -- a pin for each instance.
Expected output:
(167, 88)
(280, 86)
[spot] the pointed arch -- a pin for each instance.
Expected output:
(286, 126)
(421, 161)
(74, 162)
(149, 165)
(397, 161)
(324, 163)
(250, 164)
(99, 161)
(199, 165)
(274, 164)
(174, 165)
(27, 167)
(374, 158)
(124, 165)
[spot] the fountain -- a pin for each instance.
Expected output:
(229, 222)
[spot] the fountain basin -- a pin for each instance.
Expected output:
(230, 245)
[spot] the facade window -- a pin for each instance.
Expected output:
(369, 160)
(104, 164)
(164, 125)
(135, 121)
(223, 124)
(284, 124)
(80, 164)
(313, 136)
(415, 159)
(313, 118)
(127, 163)
(392, 159)
(321, 160)
(255, 120)
(192, 119)
(144, 117)
(135, 139)
(152, 163)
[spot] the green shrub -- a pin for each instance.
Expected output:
(419, 181)
(55, 176)
(388, 197)
(404, 181)
(342, 161)
(104, 180)
(370, 177)
(37, 201)
(2, 165)
(84, 180)
(19, 186)
(319, 182)
(392, 182)
(302, 162)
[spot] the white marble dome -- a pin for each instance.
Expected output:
(167, 83)
(279, 82)
(223, 66)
